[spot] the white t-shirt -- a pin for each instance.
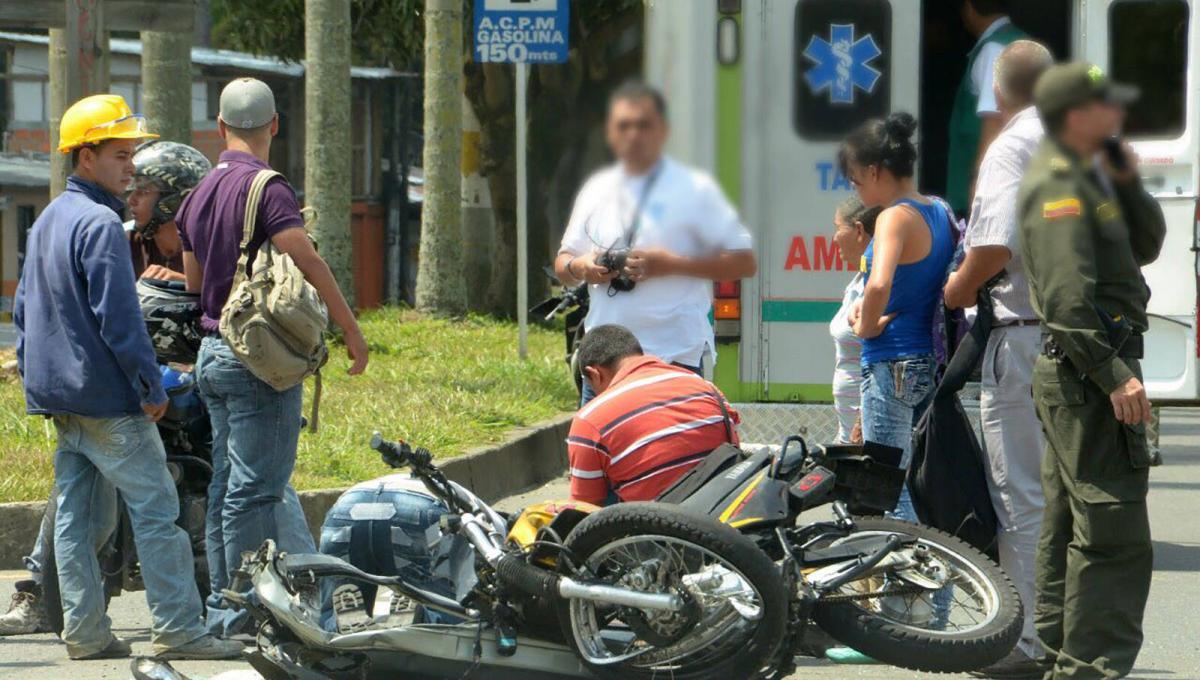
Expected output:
(984, 69)
(686, 213)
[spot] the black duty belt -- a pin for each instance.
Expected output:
(1132, 348)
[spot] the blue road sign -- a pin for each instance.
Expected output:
(515, 31)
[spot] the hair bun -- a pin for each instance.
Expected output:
(900, 125)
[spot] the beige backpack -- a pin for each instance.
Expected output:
(274, 321)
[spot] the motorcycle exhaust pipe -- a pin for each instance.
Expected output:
(574, 590)
(526, 578)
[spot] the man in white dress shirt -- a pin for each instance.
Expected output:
(675, 227)
(1011, 431)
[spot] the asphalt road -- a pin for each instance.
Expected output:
(1172, 627)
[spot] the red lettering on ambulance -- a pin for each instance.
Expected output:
(826, 255)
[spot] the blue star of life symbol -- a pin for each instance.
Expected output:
(842, 63)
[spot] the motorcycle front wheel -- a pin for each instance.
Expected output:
(736, 607)
(901, 618)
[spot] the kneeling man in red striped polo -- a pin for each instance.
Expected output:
(650, 422)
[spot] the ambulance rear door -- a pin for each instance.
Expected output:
(1152, 44)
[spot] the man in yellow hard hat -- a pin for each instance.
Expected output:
(87, 363)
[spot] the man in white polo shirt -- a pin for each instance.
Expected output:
(672, 225)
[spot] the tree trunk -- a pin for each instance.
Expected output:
(167, 84)
(327, 132)
(60, 163)
(440, 283)
(202, 30)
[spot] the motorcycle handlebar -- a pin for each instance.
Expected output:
(400, 454)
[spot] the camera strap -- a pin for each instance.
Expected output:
(636, 223)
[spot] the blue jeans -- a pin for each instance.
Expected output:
(588, 394)
(127, 454)
(383, 531)
(895, 393)
(255, 430)
(104, 519)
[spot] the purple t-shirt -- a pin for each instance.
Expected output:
(210, 224)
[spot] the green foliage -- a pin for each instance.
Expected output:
(386, 32)
(449, 386)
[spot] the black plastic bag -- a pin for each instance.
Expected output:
(947, 479)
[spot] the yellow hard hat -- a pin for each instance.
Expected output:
(97, 118)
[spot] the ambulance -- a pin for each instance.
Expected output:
(761, 92)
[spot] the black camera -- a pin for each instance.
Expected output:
(614, 260)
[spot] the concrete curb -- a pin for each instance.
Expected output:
(529, 457)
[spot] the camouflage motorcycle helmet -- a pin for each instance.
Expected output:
(174, 169)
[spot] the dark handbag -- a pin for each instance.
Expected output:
(947, 479)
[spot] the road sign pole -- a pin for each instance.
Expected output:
(518, 32)
(522, 213)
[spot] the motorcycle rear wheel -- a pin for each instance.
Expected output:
(659, 548)
(970, 623)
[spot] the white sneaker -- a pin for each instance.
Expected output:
(27, 613)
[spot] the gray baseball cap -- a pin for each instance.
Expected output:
(247, 103)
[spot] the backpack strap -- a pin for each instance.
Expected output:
(249, 222)
(316, 403)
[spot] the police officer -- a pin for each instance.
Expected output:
(1086, 229)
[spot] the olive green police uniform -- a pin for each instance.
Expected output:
(1083, 246)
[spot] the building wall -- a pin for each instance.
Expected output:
(9, 235)
(28, 131)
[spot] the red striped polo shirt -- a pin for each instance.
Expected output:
(652, 424)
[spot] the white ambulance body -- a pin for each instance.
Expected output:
(762, 91)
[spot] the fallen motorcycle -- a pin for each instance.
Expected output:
(718, 579)
(634, 591)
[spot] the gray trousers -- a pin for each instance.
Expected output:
(1014, 443)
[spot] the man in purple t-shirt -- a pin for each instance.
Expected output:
(255, 428)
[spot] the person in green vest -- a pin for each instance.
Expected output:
(975, 119)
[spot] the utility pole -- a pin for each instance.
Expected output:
(440, 285)
(327, 132)
(60, 164)
(167, 84)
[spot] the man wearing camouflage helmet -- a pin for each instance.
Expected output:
(164, 172)
(1085, 233)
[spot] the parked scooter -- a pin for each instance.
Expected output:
(573, 303)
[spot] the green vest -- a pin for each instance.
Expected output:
(965, 125)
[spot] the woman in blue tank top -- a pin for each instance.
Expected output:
(906, 263)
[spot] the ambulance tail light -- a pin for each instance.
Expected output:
(727, 310)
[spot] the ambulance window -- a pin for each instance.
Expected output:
(841, 65)
(1160, 72)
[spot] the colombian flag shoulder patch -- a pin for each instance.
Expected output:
(1066, 207)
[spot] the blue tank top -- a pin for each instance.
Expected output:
(916, 291)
